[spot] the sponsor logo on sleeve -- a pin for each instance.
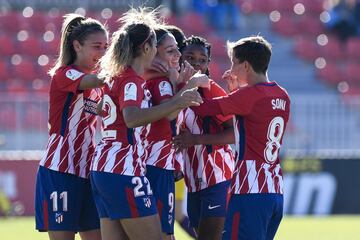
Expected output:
(165, 88)
(73, 74)
(130, 91)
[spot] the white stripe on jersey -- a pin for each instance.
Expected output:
(111, 157)
(252, 176)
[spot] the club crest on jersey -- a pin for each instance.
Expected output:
(165, 88)
(130, 91)
(73, 74)
(59, 217)
(147, 202)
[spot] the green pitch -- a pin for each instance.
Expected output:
(291, 228)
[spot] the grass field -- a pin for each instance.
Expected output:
(291, 228)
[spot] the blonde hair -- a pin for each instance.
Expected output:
(75, 27)
(127, 41)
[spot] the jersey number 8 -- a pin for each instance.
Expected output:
(274, 136)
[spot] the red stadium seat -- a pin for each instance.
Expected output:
(26, 70)
(4, 70)
(286, 26)
(7, 47)
(332, 74)
(308, 24)
(353, 49)
(313, 6)
(31, 46)
(193, 23)
(215, 71)
(307, 48)
(9, 23)
(333, 50)
(218, 47)
(36, 23)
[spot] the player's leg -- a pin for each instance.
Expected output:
(213, 211)
(112, 230)
(276, 218)
(58, 203)
(143, 228)
(163, 188)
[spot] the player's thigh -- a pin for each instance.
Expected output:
(112, 230)
(211, 228)
(142, 228)
(90, 235)
(61, 235)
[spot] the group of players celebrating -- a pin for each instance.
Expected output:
(162, 118)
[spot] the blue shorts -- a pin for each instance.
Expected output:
(209, 202)
(163, 185)
(120, 196)
(253, 216)
(64, 202)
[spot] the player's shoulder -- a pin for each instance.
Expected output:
(68, 72)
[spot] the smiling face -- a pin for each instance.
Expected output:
(198, 57)
(92, 49)
(167, 50)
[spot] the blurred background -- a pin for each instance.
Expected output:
(316, 55)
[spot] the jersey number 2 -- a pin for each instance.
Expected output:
(274, 135)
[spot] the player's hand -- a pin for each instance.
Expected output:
(187, 98)
(186, 72)
(173, 75)
(231, 80)
(200, 80)
(159, 65)
(184, 140)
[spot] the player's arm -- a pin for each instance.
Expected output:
(90, 81)
(186, 139)
(239, 102)
(135, 116)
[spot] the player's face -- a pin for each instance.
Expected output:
(197, 56)
(238, 69)
(168, 51)
(92, 49)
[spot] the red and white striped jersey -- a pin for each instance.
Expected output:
(206, 165)
(72, 123)
(122, 150)
(161, 154)
(261, 115)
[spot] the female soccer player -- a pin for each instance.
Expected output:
(208, 160)
(64, 204)
(261, 111)
(123, 195)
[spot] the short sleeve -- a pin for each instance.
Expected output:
(239, 102)
(161, 90)
(68, 79)
(131, 93)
